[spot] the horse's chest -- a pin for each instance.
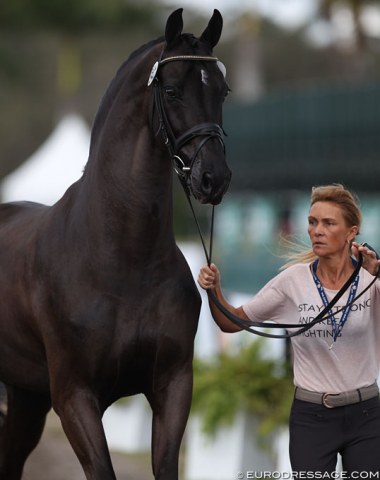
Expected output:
(147, 352)
(162, 325)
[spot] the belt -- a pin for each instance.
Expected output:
(333, 400)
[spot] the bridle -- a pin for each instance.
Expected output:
(206, 131)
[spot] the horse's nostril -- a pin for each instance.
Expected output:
(207, 182)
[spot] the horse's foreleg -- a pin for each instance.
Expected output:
(171, 407)
(22, 429)
(81, 420)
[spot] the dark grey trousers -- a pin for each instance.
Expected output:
(318, 434)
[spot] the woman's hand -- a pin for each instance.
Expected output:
(209, 277)
(370, 261)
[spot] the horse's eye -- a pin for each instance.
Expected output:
(170, 91)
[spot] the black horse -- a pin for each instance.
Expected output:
(97, 301)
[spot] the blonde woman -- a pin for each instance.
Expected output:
(336, 406)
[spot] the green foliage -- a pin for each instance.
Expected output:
(244, 382)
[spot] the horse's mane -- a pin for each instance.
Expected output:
(141, 50)
(115, 85)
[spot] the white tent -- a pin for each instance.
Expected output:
(57, 163)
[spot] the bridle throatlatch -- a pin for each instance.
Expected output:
(206, 131)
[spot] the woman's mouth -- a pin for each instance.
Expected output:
(318, 244)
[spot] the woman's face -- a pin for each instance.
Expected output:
(328, 231)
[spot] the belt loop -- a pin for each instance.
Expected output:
(360, 395)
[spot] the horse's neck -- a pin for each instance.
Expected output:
(127, 188)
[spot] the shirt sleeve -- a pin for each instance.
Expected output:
(270, 303)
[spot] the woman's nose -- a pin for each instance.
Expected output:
(318, 230)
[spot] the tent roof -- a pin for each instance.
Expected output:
(59, 162)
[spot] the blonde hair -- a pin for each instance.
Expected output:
(343, 198)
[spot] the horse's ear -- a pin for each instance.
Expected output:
(174, 26)
(213, 30)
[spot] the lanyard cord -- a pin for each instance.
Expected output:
(337, 327)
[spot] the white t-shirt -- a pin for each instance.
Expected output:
(353, 361)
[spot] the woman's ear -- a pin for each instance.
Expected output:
(352, 233)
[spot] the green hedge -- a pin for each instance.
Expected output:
(246, 381)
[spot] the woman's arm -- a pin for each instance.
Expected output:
(209, 279)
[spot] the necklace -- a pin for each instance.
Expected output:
(337, 327)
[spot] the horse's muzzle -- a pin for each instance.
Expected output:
(211, 187)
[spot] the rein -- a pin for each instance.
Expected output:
(321, 317)
(247, 325)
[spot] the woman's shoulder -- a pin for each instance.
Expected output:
(296, 269)
(297, 272)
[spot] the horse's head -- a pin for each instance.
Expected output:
(189, 89)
